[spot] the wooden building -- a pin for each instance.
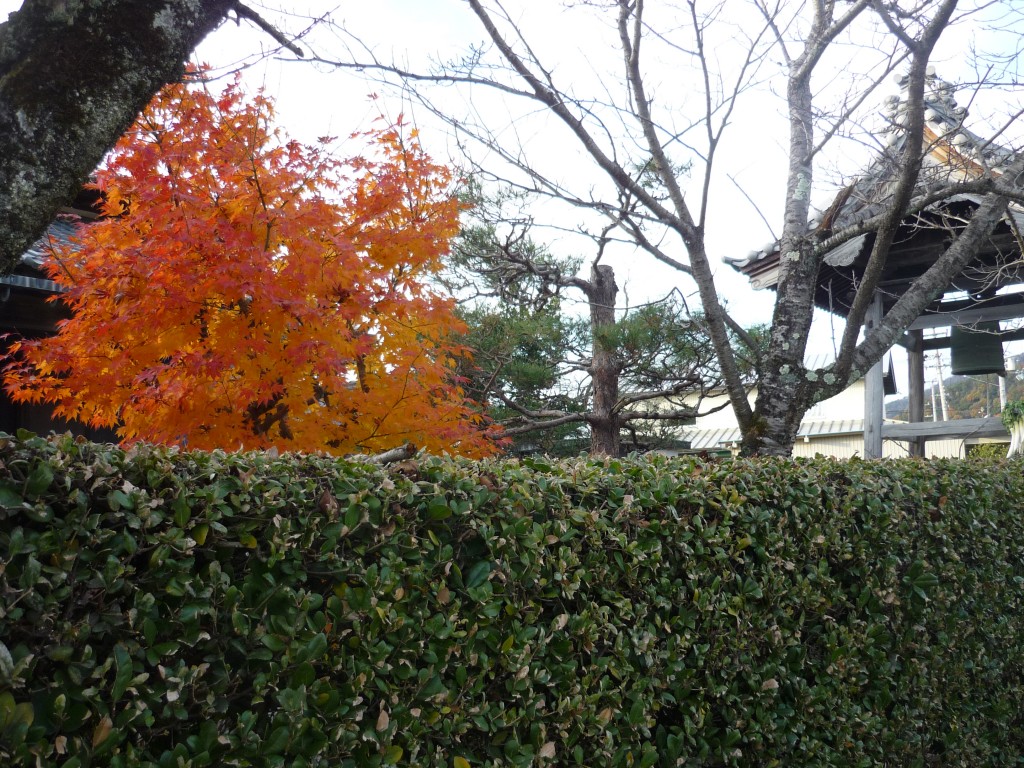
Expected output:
(974, 302)
(833, 427)
(27, 312)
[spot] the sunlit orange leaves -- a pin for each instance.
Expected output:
(250, 291)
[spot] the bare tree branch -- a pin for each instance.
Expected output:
(645, 136)
(907, 175)
(245, 12)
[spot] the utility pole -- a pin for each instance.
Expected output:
(942, 387)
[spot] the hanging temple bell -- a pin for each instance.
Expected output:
(977, 350)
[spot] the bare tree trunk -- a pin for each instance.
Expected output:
(604, 365)
(778, 414)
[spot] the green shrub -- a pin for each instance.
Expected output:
(987, 451)
(189, 609)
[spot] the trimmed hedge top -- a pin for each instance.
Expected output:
(174, 609)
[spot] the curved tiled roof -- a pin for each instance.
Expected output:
(29, 273)
(59, 232)
(953, 153)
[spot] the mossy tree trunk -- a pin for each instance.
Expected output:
(73, 76)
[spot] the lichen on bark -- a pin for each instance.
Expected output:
(73, 76)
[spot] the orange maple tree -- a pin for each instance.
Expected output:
(247, 291)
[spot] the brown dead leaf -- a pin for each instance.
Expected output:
(103, 728)
(328, 504)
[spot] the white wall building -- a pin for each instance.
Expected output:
(833, 427)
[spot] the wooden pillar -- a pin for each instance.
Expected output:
(874, 393)
(915, 363)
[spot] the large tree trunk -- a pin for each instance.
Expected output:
(780, 407)
(73, 76)
(605, 365)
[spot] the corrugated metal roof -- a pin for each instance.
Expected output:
(814, 361)
(709, 439)
(830, 427)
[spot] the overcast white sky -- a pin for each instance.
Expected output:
(315, 101)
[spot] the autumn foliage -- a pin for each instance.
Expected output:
(248, 291)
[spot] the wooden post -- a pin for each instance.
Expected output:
(874, 393)
(915, 363)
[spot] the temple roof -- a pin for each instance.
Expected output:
(952, 153)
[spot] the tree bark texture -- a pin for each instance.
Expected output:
(783, 387)
(604, 366)
(73, 76)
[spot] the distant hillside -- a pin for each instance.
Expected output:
(967, 397)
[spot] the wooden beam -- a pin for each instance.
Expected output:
(939, 430)
(874, 390)
(967, 313)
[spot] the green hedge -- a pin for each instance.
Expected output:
(189, 609)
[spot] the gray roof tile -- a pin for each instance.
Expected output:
(955, 152)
